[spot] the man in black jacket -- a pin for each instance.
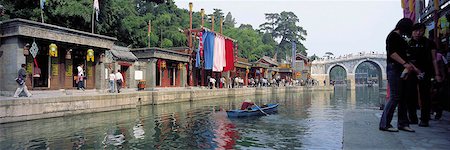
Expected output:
(22, 74)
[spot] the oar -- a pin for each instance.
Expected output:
(261, 110)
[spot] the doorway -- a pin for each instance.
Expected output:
(78, 57)
(41, 68)
(123, 71)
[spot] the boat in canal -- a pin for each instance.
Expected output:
(253, 111)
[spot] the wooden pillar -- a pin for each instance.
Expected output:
(202, 58)
(191, 68)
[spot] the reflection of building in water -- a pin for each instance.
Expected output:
(138, 131)
(115, 137)
(166, 129)
(39, 143)
(78, 142)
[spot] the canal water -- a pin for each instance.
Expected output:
(310, 120)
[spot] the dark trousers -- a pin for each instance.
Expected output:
(80, 84)
(412, 98)
(119, 85)
(396, 97)
(438, 97)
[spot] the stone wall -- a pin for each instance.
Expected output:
(12, 110)
(28, 109)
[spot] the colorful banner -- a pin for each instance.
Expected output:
(409, 9)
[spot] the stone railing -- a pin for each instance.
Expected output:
(350, 57)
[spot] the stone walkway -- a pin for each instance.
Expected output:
(361, 132)
(74, 92)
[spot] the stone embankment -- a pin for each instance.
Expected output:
(53, 105)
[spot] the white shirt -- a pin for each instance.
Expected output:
(119, 76)
(80, 70)
(112, 77)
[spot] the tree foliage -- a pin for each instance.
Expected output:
(127, 20)
(284, 26)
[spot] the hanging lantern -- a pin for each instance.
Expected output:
(180, 66)
(90, 55)
(53, 50)
(162, 64)
(26, 49)
(69, 54)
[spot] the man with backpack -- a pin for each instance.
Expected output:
(21, 78)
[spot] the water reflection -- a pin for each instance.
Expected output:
(310, 120)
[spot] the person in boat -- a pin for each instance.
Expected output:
(247, 104)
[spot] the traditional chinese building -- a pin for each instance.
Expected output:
(301, 67)
(51, 54)
(272, 67)
(121, 58)
(162, 67)
(242, 69)
(285, 71)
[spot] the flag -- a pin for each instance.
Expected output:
(42, 4)
(409, 9)
(97, 9)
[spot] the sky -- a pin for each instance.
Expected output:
(337, 26)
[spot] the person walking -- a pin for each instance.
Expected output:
(119, 80)
(80, 77)
(396, 47)
(21, 78)
(112, 78)
(421, 54)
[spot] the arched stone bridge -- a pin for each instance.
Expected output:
(320, 69)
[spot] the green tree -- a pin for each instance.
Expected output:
(289, 32)
(229, 21)
(314, 57)
(166, 43)
(271, 24)
(246, 26)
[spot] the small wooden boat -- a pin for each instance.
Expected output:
(254, 111)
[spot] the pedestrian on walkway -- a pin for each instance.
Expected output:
(396, 47)
(418, 82)
(21, 78)
(80, 77)
(119, 80)
(438, 87)
(112, 78)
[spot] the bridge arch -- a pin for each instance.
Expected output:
(337, 65)
(337, 75)
(376, 63)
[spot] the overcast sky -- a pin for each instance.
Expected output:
(337, 26)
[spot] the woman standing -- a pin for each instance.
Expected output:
(396, 47)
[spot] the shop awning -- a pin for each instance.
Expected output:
(123, 54)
